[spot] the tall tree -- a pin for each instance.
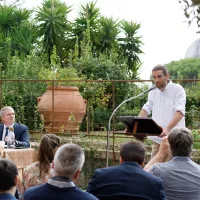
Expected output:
(188, 68)
(109, 30)
(53, 25)
(88, 17)
(24, 40)
(12, 21)
(7, 19)
(21, 16)
(130, 46)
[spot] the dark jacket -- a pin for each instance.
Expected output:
(7, 196)
(21, 134)
(125, 181)
(50, 192)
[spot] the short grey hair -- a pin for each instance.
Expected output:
(180, 141)
(68, 159)
(4, 109)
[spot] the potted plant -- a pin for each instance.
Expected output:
(61, 100)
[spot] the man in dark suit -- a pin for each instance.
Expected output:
(67, 164)
(21, 132)
(8, 179)
(127, 180)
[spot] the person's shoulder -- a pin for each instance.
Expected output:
(154, 175)
(195, 165)
(17, 125)
(32, 167)
(30, 191)
(106, 170)
(155, 169)
(163, 165)
(85, 195)
(176, 85)
(34, 190)
(7, 196)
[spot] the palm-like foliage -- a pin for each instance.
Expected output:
(52, 17)
(24, 39)
(108, 34)
(88, 17)
(131, 46)
(7, 19)
(21, 16)
(12, 19)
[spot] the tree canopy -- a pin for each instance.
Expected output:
(188, 68)
(23, 31)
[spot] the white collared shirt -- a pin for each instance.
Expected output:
(61, 184)
(164, 104)
(4, 131)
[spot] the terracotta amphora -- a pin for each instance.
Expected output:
(62, 109)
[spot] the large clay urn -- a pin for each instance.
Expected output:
(62, 109)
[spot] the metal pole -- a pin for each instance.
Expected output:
(1, 91)
(53, 85)
(108, 132)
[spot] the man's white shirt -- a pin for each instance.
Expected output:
(4, 131)
(164, 104)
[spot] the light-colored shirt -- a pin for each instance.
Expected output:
(31, 176)
(4, 131)
(164, 104)
(181, 178)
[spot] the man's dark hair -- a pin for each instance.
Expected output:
(133, 151)
(8, 173)
(160, 67)
(180, 141)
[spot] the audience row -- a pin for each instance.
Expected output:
(52, 177)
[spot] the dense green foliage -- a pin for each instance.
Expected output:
(43, 44)
(47, 26)
(188, 68)
(49, 47)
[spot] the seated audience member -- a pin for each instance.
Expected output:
(21, 132)
(40, 171)
(127, 180)
(181, 176)
(8, 179)
(67, 165)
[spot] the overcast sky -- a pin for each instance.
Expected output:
(165, 35)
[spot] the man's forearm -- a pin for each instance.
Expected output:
(158, 158)
(143, 113)
(161, 155)
(177, 117)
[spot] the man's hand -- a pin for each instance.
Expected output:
(164, 133)
(7, 138)
(161, 155)
(164, 146)
(177, 117)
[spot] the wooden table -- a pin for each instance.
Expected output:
(21, 157)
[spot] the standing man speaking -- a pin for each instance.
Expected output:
(166, 102)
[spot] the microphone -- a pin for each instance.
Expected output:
(152, 88)
(108, 131)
